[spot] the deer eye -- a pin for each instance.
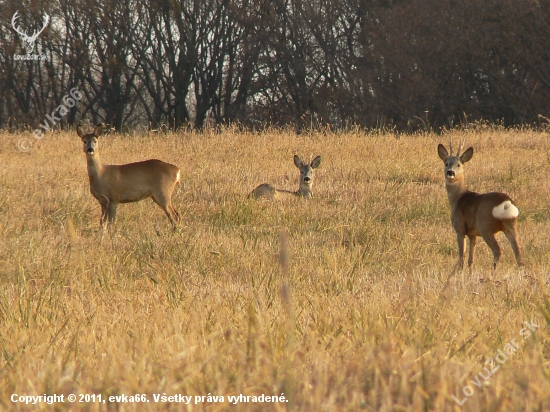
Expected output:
(458, 165)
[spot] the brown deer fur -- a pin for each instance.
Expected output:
(267, 191)
(132, 182)
(474, 214)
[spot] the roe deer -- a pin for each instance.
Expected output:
(132, 182)
(267, 191)
(474, 214)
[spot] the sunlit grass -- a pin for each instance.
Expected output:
(366, 324)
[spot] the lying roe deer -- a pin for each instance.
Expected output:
(132, 182)
(474, 214)
(267, 191)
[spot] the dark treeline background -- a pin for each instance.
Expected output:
(409, 64)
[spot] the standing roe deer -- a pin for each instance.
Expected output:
(132, 182)
(474, 214)
(267, 191)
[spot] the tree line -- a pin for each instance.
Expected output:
(191, 63)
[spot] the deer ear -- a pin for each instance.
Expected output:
(442, 152)
(467, 155)
(316, 162)
(98, 130)
(298, 162)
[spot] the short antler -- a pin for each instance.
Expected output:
(460, 147)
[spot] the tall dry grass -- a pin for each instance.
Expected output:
(359, 319)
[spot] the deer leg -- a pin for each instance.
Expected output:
(166, 204)
(104, 202)
(175, 217)
(493, 244)
(175, 213)
(111, 212)
(103, 217)
(473, 240)
(512, 236)
(461, 238)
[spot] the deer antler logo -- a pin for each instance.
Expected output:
(29, 40)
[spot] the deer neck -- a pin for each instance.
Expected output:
(305, 191)
(455, 190)
(95, 168)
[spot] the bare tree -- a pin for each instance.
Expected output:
(410, 64)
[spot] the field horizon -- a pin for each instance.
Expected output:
(341, 303)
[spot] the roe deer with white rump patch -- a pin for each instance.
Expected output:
(474, 214)
(132, 182)
(267, 191)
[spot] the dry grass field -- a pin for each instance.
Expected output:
(338, 303)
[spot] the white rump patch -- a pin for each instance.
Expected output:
(506, 210)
